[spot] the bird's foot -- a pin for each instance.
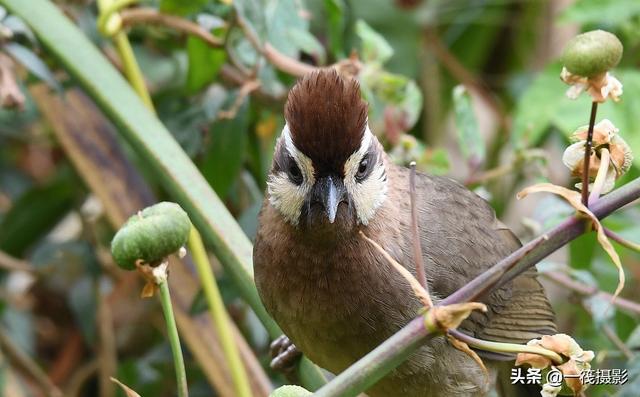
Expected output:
(284, 355)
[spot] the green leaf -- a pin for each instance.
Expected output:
(436, 161)
(632, 387)
(469, 138)
(204, 63)
(182, 7)
(335, 26)
(610, 12)
(31, 217)
(306, 42)
(383, 89)
(253, 14)
(288, 31)
(633, 341)
(536, 107)
(600, 309)
(224, 157)
(375, 47)
(31, 61)
(18, 27)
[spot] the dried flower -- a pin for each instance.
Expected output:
(605, 135)
(600, 87)
(579, 360)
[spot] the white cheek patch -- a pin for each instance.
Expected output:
(284, 195)
(369, 194)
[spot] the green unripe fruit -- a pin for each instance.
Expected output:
(290, 391)
(592, 53)
(151, 235)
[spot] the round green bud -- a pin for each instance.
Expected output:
(290, 391)
(151, 235)
(592, 53)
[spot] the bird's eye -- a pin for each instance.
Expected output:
(294, 172)
(362, 168)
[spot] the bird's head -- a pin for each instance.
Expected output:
(328, 167)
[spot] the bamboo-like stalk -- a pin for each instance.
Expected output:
(219, 314)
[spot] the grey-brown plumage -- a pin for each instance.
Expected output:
(336, 298)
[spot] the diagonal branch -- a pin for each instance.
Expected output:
(380, 361)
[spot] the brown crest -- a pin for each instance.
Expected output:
(327, 119)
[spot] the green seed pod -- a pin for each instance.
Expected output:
(290, 391)
(151, 235)
(592, 53)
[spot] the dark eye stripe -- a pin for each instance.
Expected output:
(284, 162)
(293, 171)
(370, 158)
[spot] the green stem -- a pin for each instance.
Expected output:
(174, 339)
(218, 314)
(129, 64)
(108, 8)
(132, 69)
(500, 347)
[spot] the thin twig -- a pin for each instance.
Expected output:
(615, 339)
(135, 16)
(462, 74)
(588, 146)
(28, 366)
(621, 240)
(590, 290)
(10, 94)
(247, 88)
(417, 248)
(8, 262)
(612, 335)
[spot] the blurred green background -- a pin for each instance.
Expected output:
(469, 89)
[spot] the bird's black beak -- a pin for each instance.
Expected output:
(330, 192)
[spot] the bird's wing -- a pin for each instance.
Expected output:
(526, 313)
(461, 238)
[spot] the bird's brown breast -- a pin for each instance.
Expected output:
(336, 298)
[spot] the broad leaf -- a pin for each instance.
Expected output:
(204, 63)
(225, 154)
(469, 138)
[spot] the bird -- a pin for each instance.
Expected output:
(333, 295)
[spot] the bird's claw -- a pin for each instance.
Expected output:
(284, 354)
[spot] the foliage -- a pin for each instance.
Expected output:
(456, 86)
